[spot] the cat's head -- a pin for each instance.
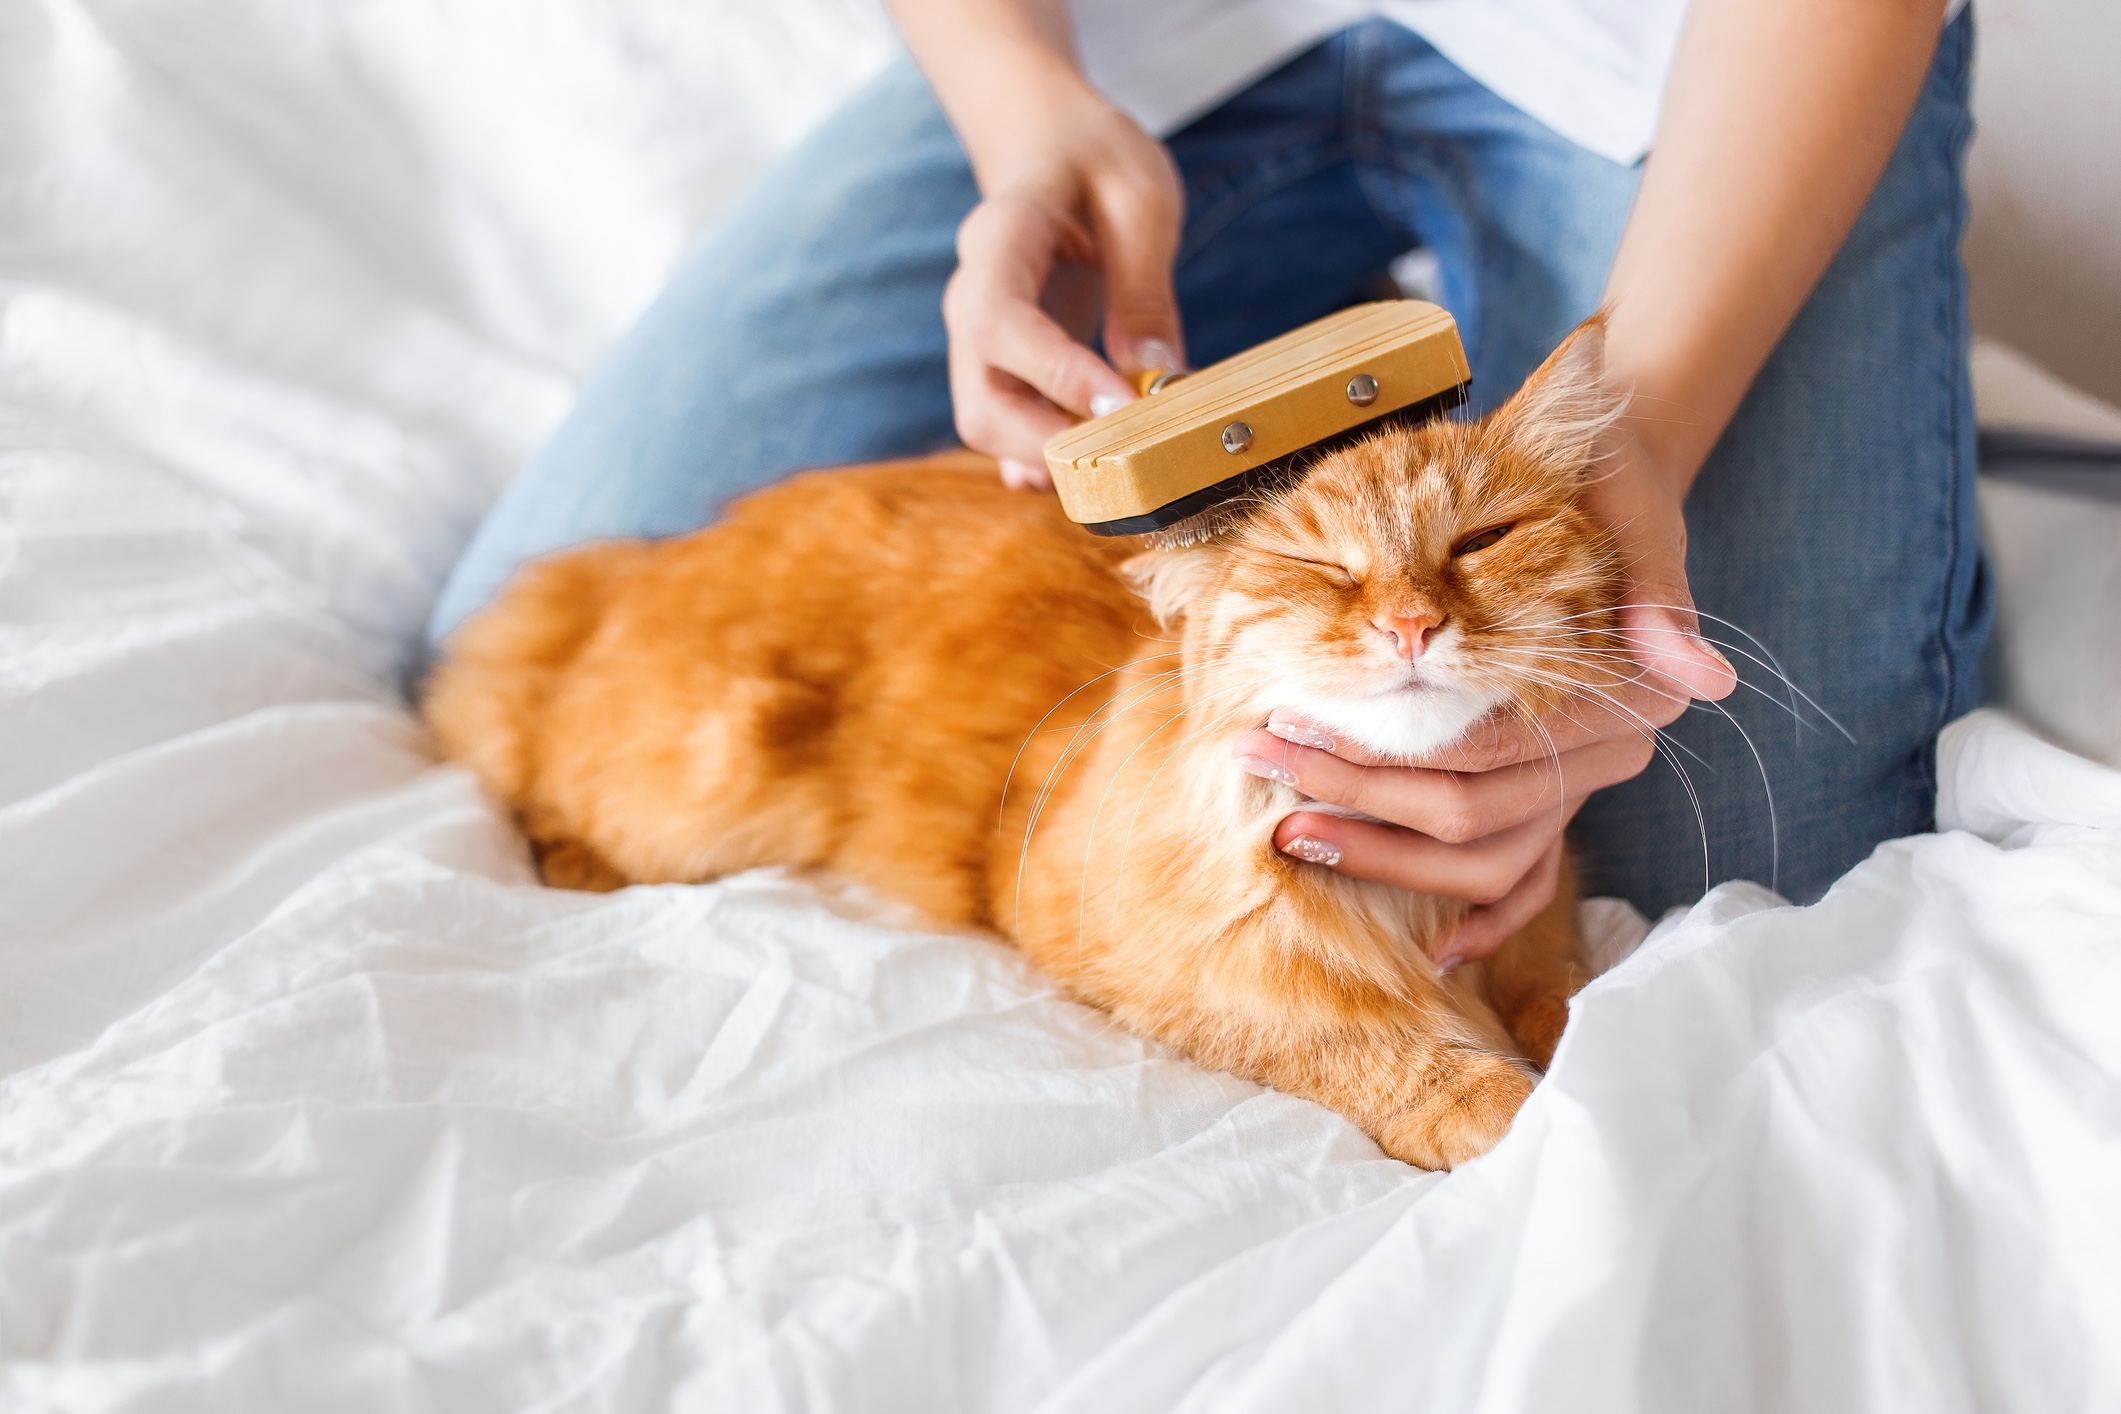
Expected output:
(1414, 582)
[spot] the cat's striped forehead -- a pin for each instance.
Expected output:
(1408, 493)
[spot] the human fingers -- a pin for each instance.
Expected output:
(1644, 513)
(1634, 705)
(1668, 644)
(1000, 415)
(1450, 805)
(1488, 926)
(1007, 248)
(1135, 218)
(1481, 872)
(1020, 475)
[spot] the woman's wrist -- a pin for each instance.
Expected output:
(1025, 116)
(1671, 457)
(1673, 418)
(1777, 118)
(1004, 72)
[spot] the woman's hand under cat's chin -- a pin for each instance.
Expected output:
(1481, 819)
(1490, 837)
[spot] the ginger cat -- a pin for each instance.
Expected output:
(911, 677)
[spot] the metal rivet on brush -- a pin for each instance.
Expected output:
(1362, 390)
(1236, 437)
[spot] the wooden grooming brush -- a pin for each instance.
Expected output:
(1168, 466)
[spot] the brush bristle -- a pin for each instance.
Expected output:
(1226, 515)
(1194, 529)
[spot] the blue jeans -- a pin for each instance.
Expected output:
(1834, 523)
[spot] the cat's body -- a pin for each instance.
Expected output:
(911, 677)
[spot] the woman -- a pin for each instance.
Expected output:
(1786, 305)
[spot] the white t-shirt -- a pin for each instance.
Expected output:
(1592, 70)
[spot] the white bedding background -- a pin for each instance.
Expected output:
(313, 1101)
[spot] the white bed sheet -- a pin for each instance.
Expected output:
(314, 1101)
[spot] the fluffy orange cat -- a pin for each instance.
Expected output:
(909, 676)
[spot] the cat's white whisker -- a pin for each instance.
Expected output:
(1666, 746)
(1764, 659)
(1008, 779)
(1084, 735)
(1090, 835)
(1127, 841)
(1087, 735)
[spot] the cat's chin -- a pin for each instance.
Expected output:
(1394, 724)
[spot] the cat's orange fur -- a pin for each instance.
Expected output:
(909, 676)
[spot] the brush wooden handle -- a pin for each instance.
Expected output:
(1152, 461)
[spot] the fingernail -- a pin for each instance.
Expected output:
(1302, 735)
(1260, 766)
(1103, 403)
(1155, 353)
(1022, 476)
(1312, 851)
(1709, 648)
(1448, 964)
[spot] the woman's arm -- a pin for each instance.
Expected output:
(1064, 177)
(1778, 117)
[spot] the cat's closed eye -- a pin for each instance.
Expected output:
(1479, 540)
(1332, 568)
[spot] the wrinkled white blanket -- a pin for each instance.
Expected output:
(313, 1101)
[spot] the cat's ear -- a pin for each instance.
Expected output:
(1564, 407)
(1169, 580)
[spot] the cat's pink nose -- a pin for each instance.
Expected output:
(1410, 633)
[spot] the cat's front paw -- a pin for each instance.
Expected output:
(1461, 1115)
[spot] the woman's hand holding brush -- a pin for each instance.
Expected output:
(1076, 229)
